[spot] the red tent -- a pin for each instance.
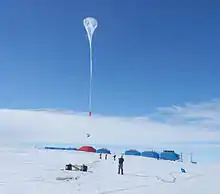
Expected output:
(87, 149)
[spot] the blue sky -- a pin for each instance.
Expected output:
(147, 54)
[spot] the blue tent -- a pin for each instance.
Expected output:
(150, 154)
(103, 151)
(169, 155)
(132, 152)
(58, 148)
(71, 148)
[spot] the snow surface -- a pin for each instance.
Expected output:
(36, 171)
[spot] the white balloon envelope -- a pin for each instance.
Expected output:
(90, 25)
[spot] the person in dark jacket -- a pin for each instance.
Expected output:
(120, 165)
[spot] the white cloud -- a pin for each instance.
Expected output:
(193, 122)
(201, 116)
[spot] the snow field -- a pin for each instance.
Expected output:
(35, 171)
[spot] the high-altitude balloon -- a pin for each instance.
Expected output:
(90, 25)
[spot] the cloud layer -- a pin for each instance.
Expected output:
(201, 115)
(189, 123)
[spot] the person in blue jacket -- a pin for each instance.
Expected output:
(120, 165)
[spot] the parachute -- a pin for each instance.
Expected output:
(87, 135)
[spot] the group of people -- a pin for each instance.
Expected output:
(100, 156)
(120, 162)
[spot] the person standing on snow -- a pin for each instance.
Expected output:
(120, 165)
(114, 157)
